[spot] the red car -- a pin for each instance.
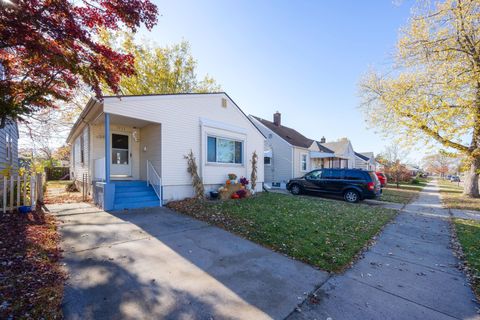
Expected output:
(382, 178)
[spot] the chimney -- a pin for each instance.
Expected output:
(323, 140)
(277, 118)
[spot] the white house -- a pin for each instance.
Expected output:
(290, 154)
(365, 160)
(121, 144)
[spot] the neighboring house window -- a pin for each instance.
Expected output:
(82, 151)
(303, 162)
(221, 150)
(9, 145)
(267, 160)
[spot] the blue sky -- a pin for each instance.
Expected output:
(302, 58)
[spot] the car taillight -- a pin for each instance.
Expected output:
(371, 186)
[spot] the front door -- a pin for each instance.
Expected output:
(121, 155)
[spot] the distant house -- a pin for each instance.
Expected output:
(365, 160)
(130, 149)
(344, 154)
(9, 145)
(290, 154)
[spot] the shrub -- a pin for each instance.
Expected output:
(415, 181)
(71, 187)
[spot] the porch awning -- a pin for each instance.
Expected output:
(321, 155)
(267, 153)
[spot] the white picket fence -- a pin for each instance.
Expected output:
(17, 191)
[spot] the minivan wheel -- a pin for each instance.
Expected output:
(295, 189)
(351, 196)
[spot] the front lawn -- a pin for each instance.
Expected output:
(397, 195)
(468, 233)
(403, 193)
(452, 196)
(56, 192)
(325, 233)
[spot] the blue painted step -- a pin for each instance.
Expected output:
(134, 194)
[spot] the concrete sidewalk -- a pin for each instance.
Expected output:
(156, 264)
(410, 273)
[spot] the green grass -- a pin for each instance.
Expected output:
(452, 197)
(403, 193)
(468, 232)
(397, 195)
(324, 233)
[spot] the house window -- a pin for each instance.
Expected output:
(82, 151)
(267, 160)
(8, 146)
(303, 162)
(221, 150)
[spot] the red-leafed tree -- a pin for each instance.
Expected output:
(49, 47)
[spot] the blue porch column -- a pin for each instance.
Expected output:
(109, 188)
(107, 148)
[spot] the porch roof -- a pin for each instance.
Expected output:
(321, 155)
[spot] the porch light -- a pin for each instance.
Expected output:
(135, 135)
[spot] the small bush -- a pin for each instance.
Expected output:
(415, 181)
(72, 187)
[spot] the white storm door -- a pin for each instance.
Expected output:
(121, 155)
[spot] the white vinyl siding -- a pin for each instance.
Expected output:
(280, 169)
(297, 166)
(80, 153)
(150, 148)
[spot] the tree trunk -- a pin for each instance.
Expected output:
(470, 187)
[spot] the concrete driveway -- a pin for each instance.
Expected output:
(156, 264)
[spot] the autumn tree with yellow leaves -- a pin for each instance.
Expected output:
(432, 92)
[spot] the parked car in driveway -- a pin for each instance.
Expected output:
(455, 179)
(382, 178)
(353, 184)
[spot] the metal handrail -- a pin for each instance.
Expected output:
(153, 179)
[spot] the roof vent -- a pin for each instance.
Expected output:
(323, 140)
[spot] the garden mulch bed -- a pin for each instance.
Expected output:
(31, 278)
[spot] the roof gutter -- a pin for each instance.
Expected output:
(81, 118)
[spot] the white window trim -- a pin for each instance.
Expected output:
(306, 162)
(267, 164)
(228, 164)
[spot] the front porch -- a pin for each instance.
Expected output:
(321, 160)
(126, 162)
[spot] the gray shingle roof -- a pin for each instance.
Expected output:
(290, 135)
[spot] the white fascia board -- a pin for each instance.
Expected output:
(221, 125)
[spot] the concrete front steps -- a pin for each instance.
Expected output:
(134, 194)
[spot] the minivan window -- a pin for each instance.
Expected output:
(373, 176)
(314, 175)
(354, 175)
(333, 174)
